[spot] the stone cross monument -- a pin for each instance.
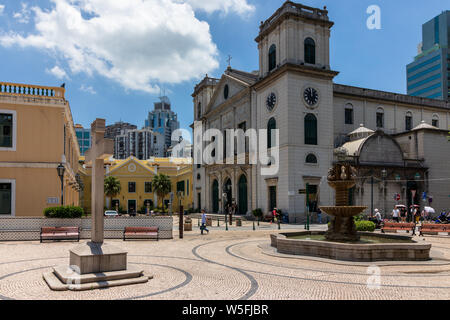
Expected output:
(95, 264)
(101, 149)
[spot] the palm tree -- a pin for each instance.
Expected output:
(162, 185)
(112, 187)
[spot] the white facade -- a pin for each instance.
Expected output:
(241, 100)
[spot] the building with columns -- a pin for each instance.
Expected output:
(293, 91)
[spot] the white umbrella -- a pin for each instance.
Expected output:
(429, 210)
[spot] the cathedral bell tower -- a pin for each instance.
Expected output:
(294, 34)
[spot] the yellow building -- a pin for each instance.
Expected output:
(136, 177)
(36, 136)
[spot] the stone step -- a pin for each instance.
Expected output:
(66, 275)
(109, 279)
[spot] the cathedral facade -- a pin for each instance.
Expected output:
(293, 92)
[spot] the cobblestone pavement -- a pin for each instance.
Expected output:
(234, 264)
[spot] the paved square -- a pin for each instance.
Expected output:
(235, 264)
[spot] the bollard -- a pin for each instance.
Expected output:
(198, 222)
(218, 222)
(254, 226)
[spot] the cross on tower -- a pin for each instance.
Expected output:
(101, 149)
(229, 61)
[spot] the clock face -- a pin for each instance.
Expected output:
(311, 96)
(271, 101)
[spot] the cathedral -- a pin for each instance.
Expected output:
(397, 143)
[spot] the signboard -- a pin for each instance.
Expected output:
(397, 197)
(291, 193)
(302, 191)
(52, 200)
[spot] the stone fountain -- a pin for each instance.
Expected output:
(342, 241)
(342, 227)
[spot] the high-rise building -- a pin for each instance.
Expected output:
(116, 129)
(136, 143)
(84, 138)
(163, 122)
(429, 75)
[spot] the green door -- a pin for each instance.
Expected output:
(272, 197)
(215, 196)
(243, 207)
(5, 198)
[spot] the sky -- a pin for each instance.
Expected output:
(116, 57)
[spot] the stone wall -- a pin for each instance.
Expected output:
(20, 229)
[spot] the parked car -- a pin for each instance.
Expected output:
(111, 213)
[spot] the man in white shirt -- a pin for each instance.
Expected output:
(395, 214)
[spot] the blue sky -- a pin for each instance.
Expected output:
(366, 58)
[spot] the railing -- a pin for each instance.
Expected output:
(31, 90)
(296, 8)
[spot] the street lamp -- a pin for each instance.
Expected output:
(384, 176)
(180, 196)
(61, 169)
(224, 195)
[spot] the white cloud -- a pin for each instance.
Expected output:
(88, 89)
(57, 72)
(136, 43)
(2, 8)
(240, 7)
(23, 16)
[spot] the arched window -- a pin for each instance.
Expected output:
(226, 92)
(310, 129)
(311, 158)
(435, 121)
(408, 121)
(272, 57)
(348, 113)
(271, 125)
(380, 118)
(199, 110)
(310, 51)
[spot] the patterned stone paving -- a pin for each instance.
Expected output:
(226, 265)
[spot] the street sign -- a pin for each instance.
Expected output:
(397, 197)
(302, 191)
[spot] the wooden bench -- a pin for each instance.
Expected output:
(434, 228)
(141, 233)
(60, 233)
(396, 226)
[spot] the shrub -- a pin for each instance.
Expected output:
(64, 212)
(257, 213)
(365, 226)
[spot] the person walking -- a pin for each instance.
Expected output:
(395, 214)
(203, 226)
(319, 216)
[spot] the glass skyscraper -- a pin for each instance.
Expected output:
(429, 75)
(163, 122)
(84, 138)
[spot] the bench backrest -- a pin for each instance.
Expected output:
(59, 229)
(141, 229)
(399, 225)
(436, 227)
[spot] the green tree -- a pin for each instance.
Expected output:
(162, 185)
(112, 188)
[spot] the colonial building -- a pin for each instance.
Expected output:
(293, 91)
(136, 177)
(37, 136)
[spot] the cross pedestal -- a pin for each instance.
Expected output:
(96, 264)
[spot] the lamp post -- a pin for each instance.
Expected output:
(180, 196)
(224, 195)
(61, 169)
(384, 176)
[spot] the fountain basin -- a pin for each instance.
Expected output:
(390, 248)
(343, 211)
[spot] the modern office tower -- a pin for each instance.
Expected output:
(136, 143)
(116, 129)
(84, 138)
(429, 75)
(163, 122)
